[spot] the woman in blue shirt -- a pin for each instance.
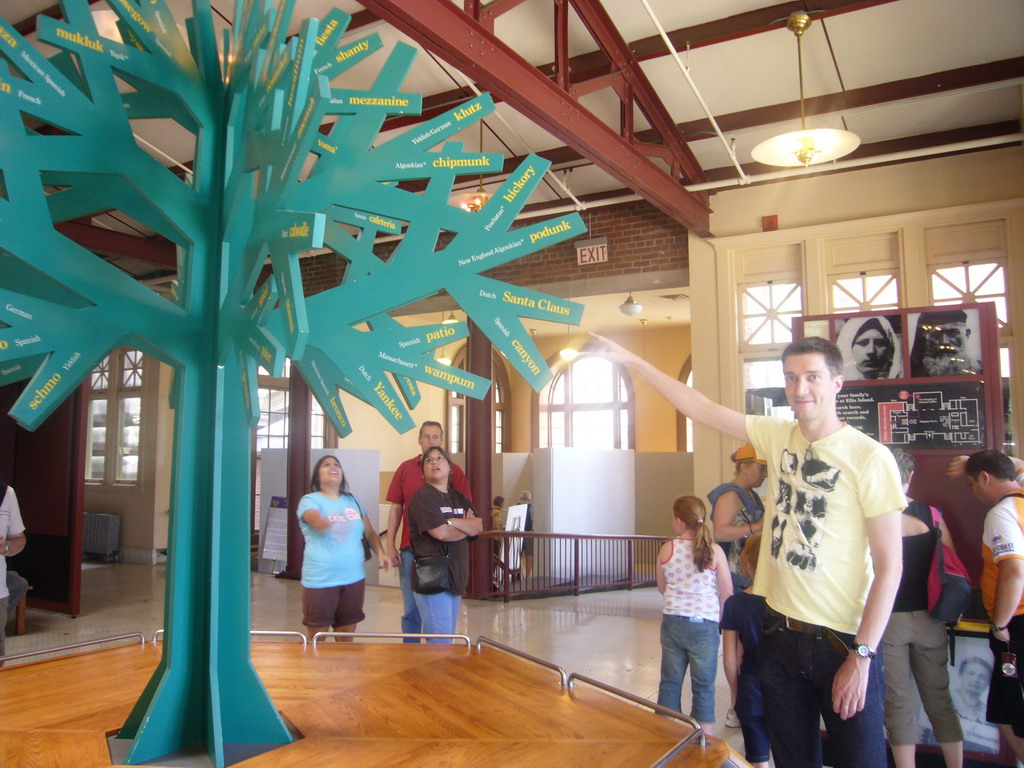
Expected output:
(333, 523)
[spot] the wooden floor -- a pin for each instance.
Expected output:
(373, 704)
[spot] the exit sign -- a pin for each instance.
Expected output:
(592, 251)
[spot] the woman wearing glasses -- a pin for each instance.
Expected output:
(441, 522)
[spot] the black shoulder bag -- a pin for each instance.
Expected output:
(430, 574)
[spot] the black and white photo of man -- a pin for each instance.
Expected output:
(946, 343)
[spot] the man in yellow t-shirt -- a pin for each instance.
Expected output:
(992, 478)
(831, 556)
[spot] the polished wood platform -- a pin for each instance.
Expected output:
(356, 704)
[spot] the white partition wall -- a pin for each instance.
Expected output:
(581, 490)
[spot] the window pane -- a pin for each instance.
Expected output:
(985, 279)
(129, 419)
(499, 431)
(316, 425)
(455, 429)
(272, 431)
(95, 461)
(623, 389)
(623, 429)
(765, 388)
(593, 429)
(592, 380)
(131, 371)
(972, 282)
(557, 429)
(768, 311)
(865, 292)
(101, 375)
(557, 396)
(1009, 441)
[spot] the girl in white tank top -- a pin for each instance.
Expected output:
(693, 575)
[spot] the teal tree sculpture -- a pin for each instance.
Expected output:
(266, 185)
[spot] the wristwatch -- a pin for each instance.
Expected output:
(863, 650)
(998, 629)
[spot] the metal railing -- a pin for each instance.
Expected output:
(482, 641)
(698, 732)
(159, 634)
(537, 564)
(75, 646)
(390, 636)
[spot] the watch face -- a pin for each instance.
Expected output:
(863, 651)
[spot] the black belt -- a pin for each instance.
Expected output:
(775, 621)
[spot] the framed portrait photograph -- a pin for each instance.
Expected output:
(969, 680)
(947, 342)
(872, 347)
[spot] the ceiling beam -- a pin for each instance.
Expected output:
(110, 244)
(596, 63)
(639, 91)
(441, 27)
(1010, 71)
(585, 67)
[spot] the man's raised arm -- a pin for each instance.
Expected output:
(684, 399)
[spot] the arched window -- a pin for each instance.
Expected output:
(589, 404)
(456, 429)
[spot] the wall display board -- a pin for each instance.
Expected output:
(946, 362)
(940, 415)
(265, 185)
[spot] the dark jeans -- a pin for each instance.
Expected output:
(796, 671)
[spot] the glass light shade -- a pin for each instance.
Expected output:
(810, 147)
(568, 354)
(631, 307)
(473, 201)
(444, 360)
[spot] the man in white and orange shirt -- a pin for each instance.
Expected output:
(992, 477)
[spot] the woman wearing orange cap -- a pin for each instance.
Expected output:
(737, 511)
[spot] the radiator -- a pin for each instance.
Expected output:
(102, 533)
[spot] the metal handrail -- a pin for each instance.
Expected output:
(261, 632)
(73, 646)
(562, 562)
(417, 635)
(481, 641)
(698, 732)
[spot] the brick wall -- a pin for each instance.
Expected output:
(321, 272)
(640, 239)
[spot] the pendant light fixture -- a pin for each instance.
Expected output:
(630, 307)
(474, 201)
(442, 358)
(804, 147)
(568, 353)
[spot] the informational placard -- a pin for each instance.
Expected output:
(275, 534)
(935, 415)
(515, 520)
